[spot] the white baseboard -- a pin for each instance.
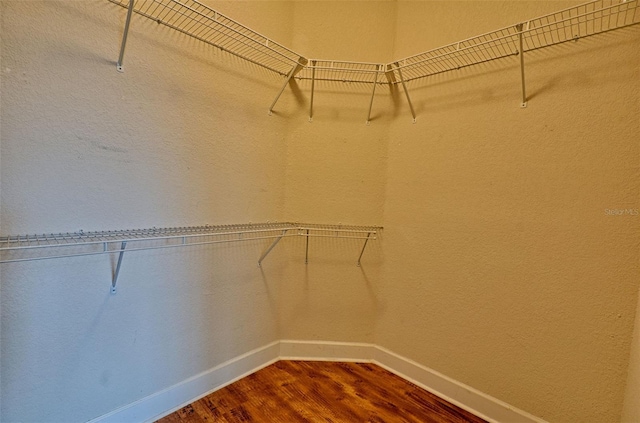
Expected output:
(162, 403)
(326, 351)
(464, 396)
(171, 399)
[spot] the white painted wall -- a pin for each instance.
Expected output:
(498, 266)
(182, 137)
(501, 267)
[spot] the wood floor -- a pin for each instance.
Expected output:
(313, 391)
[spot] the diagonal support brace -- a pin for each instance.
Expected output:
(273, 244)
(117, 272)
(363, 247)
(373, 93)
(302, 62)
(406, 92)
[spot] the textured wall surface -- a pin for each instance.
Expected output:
(499, 266)
(336, 170)
(182, 137)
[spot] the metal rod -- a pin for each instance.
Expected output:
(306, 253)
(519, 27)
(313, 83)
(115, 275)
(294, 70)
(373, 93)
(124, 37)
(406, 92)
(363, 247)
(271, 247)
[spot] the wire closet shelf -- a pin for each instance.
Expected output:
(18, 248)
(196, 20)
(209, 26)
(570, 24)
(22, 248)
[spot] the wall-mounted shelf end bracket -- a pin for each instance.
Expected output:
(117, 272)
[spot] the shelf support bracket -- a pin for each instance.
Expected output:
(520, 28)
(306, 252)
(124, 37)
(297, 68)
(373, 93)
(391, 77)
(313, 83)
(406, 91)
(117, 272)
(363, 247)
(273, 244)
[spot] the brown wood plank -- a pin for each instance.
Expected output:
(322, 392)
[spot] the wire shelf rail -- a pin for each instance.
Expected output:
(22, 248)
(196, 20)
(570, 24)
(205, 24)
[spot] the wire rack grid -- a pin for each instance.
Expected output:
(570, 24)
(18, 248)
(342, 71)
(209, 26)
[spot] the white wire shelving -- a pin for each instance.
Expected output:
(201, 22)
(205, 24)
(22, 248)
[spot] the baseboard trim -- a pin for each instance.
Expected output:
(173, 398)
(326, 351)
(165, 402)
(464, 396)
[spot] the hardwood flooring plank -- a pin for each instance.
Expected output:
(321, 392)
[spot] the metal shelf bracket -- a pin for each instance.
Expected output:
(117, 272)
(373, 93)
(520, 28)
(124, 37)
(363, 247)
(302, 62)
(406, 91)
(313, 85)
(273, 244)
